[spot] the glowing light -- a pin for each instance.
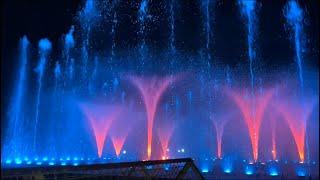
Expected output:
(227, 170)
(252, 110)
(100, 118)
(249, 170)
(8, 161)
(75, 164)
(182, 150)
(63, 163)
(18, 161)
(151, 90)
(39, 163)
(124, 152)
(29, 162)
(205, 170)
(51, 163)
(45, 159)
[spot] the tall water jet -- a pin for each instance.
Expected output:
(44, 47)
(294, 15)
(113, 34)
(252, 109)
(165, 131)
(69, 44)
(15, 113)
(142, 17)
(172, 39)
(100, 118)
(296, 116)
(248, 12)
(207, 27)
(151, 90)
(88, 15)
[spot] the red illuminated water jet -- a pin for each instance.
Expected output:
(252, 109)
(100, 118)
(219, 124)
(164, 133)
(296, 115)
(151, 90)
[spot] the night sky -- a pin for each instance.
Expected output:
(52, 18)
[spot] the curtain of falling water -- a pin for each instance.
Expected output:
(44, 48)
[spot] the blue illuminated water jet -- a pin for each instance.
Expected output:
(69, 44)
(44, 48)
(16, 116)
(248, 11)
(142, 16)
(295, 16)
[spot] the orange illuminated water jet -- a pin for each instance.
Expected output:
(273, 136)
(164, 134)
(252, 109)
(296, 116)
(100, 118)
(151, 90)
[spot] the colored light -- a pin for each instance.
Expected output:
(75, 159)
(8, 161)
(227, 170)
(63, 163)
(249, 172)
(68, 158)
(124, 152)
(25, 159)
(75, 164)
(301, 173)
(204, 170)
(45, 158)
(18, 161)
(39, 163)
(51, 163)
(182, 150)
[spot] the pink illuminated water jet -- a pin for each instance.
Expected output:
(164, 133)
(296, 115)
(118, 143)
(100, 118)
(219, 127)
(252, 109)
(151, 90)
